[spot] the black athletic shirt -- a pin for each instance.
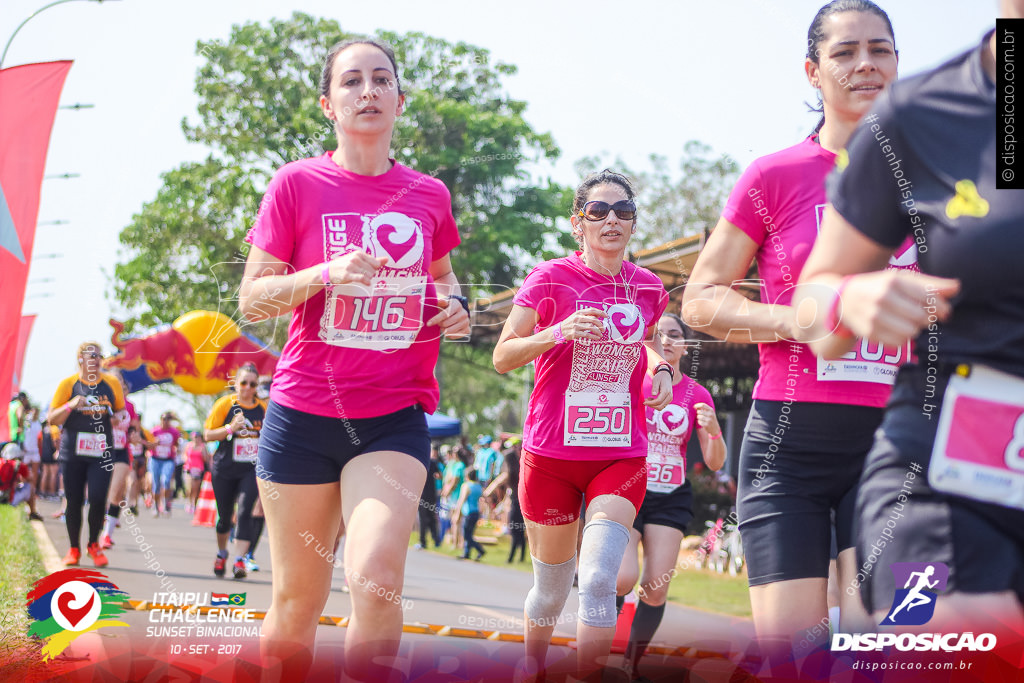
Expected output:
(923, 163)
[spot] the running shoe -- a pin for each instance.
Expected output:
(106, 541)
(219, 564)
(239, 568)
(250, 566)
(134, 509)
(148, 500)
(96, 553)
(58, 514)
(35, 517)
(72, 558)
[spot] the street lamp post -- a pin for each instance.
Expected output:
(38, 11)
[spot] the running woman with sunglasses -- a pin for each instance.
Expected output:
(235, 422)
(358, 247)
(811, 423)
(86, 403)
(582, 320)
(668, 506)
(942, 482)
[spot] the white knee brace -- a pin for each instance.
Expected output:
(551, 586)
(604, 543)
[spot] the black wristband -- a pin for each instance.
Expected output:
(665, 366)
(462, 300)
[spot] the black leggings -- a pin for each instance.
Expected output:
(77, 472)
(233, 482)
(428, 523)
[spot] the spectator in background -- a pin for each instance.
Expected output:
(428, 502)
(509, 480)
(486, 460)
(162, 462)
(49, 439)
(198, 462)
(468, 505)
(33, 431)
(16, 412)
(454, 475)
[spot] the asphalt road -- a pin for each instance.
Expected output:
(439, 590)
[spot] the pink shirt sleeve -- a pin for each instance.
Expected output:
(746, 200)
(274, 229)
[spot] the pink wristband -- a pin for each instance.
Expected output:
(557, 334)
(715, 437)
(325, 273)
(833, 323)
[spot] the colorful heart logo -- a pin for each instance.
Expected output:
(72, 614)
(625, 323)
(399, 237)
(674, 419)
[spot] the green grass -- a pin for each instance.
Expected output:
(21, 565)
(698, 588)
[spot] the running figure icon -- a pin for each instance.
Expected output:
(915, 597)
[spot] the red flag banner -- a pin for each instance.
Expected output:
(29, 95)
(24, 332)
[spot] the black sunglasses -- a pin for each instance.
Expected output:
(247, 384)
(598, 210)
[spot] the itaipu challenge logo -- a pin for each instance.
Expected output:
(69, 603)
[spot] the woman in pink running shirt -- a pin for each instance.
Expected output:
(582, 320)
(812, 421)
(357, 247)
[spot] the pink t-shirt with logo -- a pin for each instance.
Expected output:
(166, 443)
(779, 202)
(669, 431)
(588, 400)
(360, 352)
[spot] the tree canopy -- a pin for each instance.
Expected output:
(258, 110)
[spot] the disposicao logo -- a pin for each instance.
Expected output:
(69, 603)
(914, 605)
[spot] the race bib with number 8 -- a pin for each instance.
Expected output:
(245, 450)
(387, 315)
(979, 442)
(90, 445)
(597, 419)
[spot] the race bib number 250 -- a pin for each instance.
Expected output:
(597, 419)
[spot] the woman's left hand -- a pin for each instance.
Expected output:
(662, 387)
(453, 320)
(707, 419)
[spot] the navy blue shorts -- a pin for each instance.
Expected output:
(301, 448)
(673, 509)
(799, 464)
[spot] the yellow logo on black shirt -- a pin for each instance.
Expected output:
(966, 202)
(842, 160)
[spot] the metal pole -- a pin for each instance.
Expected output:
(41, 9)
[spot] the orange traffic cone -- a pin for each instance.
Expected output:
(624, 623)
(206, 507)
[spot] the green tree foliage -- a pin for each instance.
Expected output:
(673, 206)
(258, 110)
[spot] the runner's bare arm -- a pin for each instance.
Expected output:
(884, 306)
(518, 345)
(712, 449)
(268, 290)
(454, 320)
(712, 306)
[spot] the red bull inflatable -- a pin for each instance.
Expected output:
(199, 352)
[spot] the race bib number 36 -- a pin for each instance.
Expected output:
(597, 419)
(979, 443)
(384, 316)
